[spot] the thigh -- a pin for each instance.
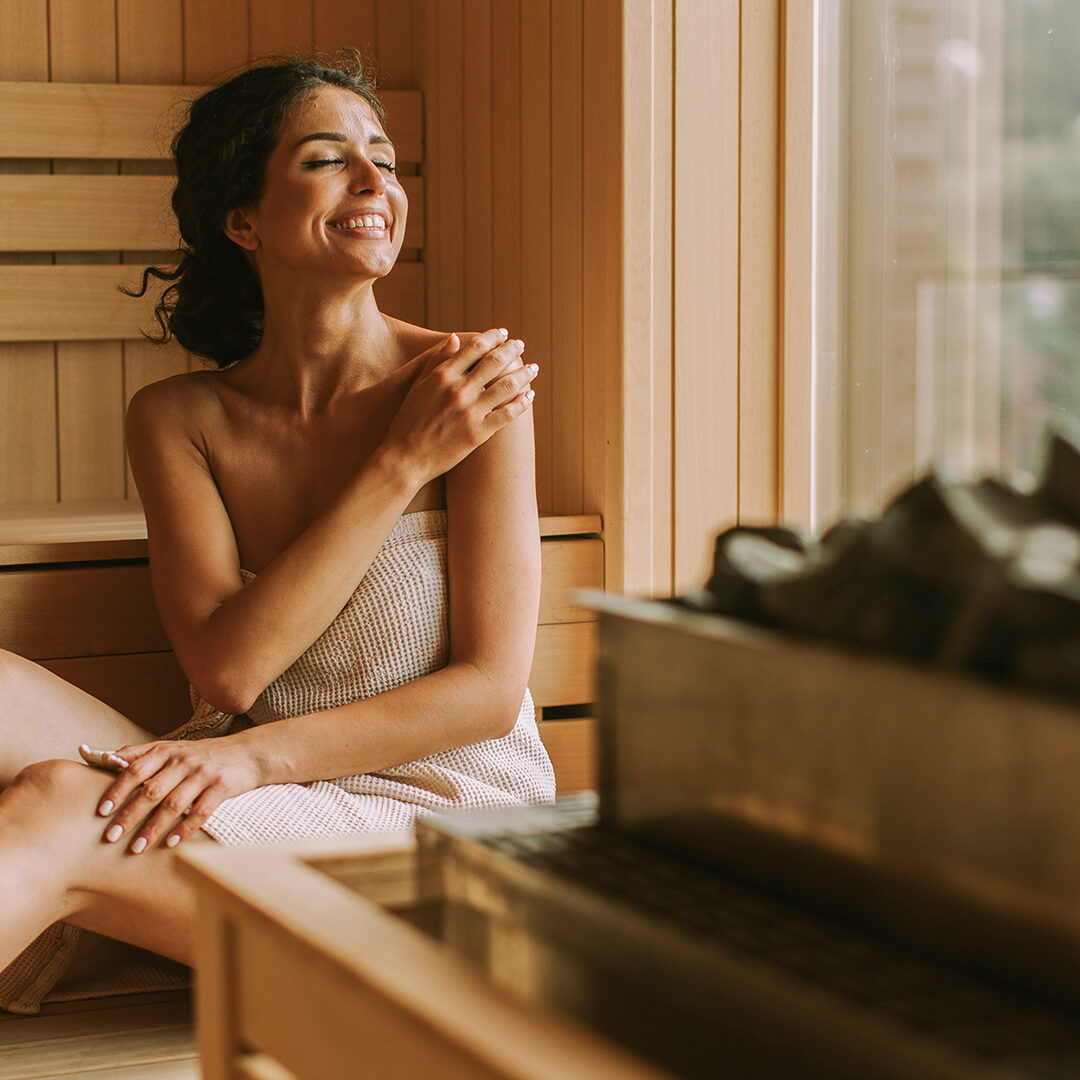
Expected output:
(42, 716)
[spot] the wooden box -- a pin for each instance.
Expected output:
(938, 809)
(340, 958)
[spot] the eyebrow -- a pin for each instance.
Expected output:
(337, 136)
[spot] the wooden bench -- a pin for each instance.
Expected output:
(83, 608)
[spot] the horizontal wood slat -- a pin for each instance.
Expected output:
(571, 745)
(563, 671)
(149, 688)
(106, 120)
(79, 611)
(86, 213)
(82, 303)
(569, 565)
(121, 213)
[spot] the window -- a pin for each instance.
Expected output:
(947, 239)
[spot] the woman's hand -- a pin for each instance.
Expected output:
(168, 790)
(461, 395)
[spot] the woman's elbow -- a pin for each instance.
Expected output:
(502, 699)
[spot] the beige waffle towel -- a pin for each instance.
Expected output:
(392, 630)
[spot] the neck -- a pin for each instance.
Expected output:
(316, 347)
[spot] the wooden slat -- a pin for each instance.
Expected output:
(24, 44)
(79, 611)
(280, 27)
(564, 385)
(86, 213)
(563, 671)
(338, 24)
(215, 39)
(568, 565)
(148, 36)
(148, 688)
(478, 188)
(27, 423)
(88, 120)
(103, 120)
(571, 745)
(82, 303)
(706, 285)
(536, 252)
(506, 168)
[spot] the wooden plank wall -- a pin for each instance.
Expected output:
(714, 396)
(523, 214)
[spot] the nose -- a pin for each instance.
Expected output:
(367, 176)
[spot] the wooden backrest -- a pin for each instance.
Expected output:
(78, 208)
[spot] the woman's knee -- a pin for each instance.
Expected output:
(51, 781)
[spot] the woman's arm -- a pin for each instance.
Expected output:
(233, 641)
(494, 572)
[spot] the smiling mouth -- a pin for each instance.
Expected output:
(374, 222)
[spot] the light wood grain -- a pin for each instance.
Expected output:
(148, 41)
(565, 384)
(706, 285)
(571, 745)
(24, 44)
(280, 28)
(399, 34)
(86, 213)
(759, 251)
(215, 39)
(28, 426)
(563, 671)
(536, 237)
(478, 85)
(797, 403)
(88, 120)
(569, 565)
(337, 24)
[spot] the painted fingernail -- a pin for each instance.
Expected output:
(529, 395)
(106, 808)
(534, 368)
(114, 833)
(139, 846)
(503, 332)
(172, 841)
(520, 344)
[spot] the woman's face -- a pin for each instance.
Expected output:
(332, 203)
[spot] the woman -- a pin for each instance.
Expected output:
(308, 506)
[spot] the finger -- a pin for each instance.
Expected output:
(437, 354)
(143, 799)
(506, 357)
(102, 759)
(507, 387)
(171, 810)
(477, 346)
(508, 413)
(197, 817)
(140, 767)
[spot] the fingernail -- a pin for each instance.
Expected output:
(139, 846)
(529, 395)
(118, 761)
(106, 808)
(114, 833)
(519, 343)
(172, 841)
(534, 368)
(503, 332)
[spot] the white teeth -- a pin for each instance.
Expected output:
(367, 221)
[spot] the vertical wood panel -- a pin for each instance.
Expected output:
(398, 34)
(758, 253)
(601, 160)
(351, 23)
(796, 263)
(536, 228)
(27, 373)
(280, 27)
(215, 39)
(446, 175)
(477, 89)
(706, 285)
(506, 167)
(567, 203)
(89, 375)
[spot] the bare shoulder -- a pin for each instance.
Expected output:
(182, 407)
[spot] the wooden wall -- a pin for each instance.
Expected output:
(522, 171)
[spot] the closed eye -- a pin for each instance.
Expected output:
(320, 162)
(388, 166)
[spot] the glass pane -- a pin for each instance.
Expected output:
(947, 238)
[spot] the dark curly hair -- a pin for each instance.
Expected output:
(213, 305)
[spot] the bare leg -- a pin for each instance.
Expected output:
(57, 866)
(42, 717)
